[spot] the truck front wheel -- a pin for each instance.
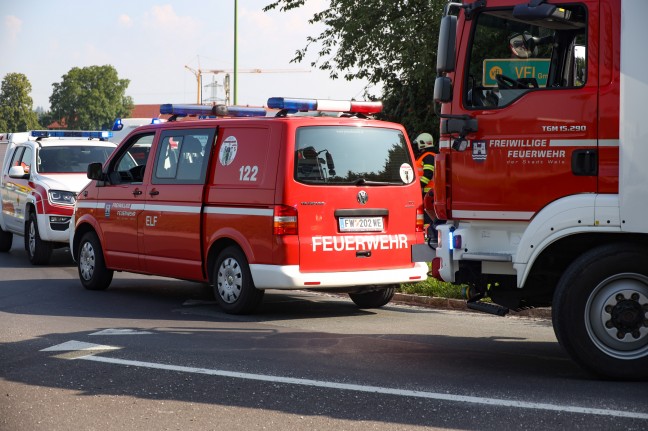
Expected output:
(233, 286)
(38, 251)
(600, 311)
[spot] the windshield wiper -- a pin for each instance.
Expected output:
(364, 182)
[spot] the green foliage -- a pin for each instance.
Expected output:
(435, 288)
(391, 44)
(90, 98)
(16, 113)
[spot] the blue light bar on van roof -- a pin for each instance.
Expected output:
(294, 105)
(99, 134)
(119, 124)
(207, 111)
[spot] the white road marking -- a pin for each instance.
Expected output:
(120, 332)
(372, 389)
(73, 345)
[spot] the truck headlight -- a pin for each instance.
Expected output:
(62, 197)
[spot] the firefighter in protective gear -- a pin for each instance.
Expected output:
(425, 169)
(425, 161)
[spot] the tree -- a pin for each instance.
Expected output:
(16, 113)
(90, 98)
(389, 43)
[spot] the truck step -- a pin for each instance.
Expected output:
(487, 307)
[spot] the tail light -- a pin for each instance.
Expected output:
(420, 220)
(285, 220)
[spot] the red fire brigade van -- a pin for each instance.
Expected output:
(248, 202)
(541, 175)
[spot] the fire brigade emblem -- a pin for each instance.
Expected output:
(363, 197)
(228, 151)
(479, 150)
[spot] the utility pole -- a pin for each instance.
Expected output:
(235, 48)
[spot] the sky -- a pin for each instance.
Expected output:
(150, 42)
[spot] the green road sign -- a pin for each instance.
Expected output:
(537, 68)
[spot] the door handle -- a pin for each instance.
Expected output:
(137, 192)
(585, 162)
(154, 192)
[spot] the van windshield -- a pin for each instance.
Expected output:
(344, 155)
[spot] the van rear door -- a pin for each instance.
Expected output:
(357, 197)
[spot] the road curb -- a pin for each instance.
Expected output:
(459, 304)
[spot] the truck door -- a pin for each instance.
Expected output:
(15, 190)
(170, 226)
(123, 199)
(533, 86)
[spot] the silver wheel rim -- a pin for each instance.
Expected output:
(87, 261)
(229, 280)
(32, 238)
(616, 316)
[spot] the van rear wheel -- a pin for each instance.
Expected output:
(233, 286)
(375, 298)
(91, 265)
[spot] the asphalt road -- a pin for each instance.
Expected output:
(154, 354)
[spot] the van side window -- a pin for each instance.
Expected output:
(130, 165)
(508, 58)
(182, 156)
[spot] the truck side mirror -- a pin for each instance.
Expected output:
(442, 89)
(447, 42)
(18, 172)
(94, 171)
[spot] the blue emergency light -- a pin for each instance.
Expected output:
(99, 134)
(182, 110)
(296, 105)
(119, 124)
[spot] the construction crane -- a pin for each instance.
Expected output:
(198, 73)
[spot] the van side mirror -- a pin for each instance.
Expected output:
(94, 171)
(442, 89)
(447, 42)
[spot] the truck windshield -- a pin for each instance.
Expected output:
(70, 159)
(344, 155)
(510, 57)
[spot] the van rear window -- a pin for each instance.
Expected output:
(343, 155)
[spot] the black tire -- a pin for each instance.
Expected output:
(600, 311)
(373, 299)
(39, 252)
(234, 289)
(6, 238)
(91, 264)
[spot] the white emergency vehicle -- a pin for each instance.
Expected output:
(42, 173)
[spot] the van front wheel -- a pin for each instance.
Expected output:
(91, 265)
(373, 299)
(233, 286)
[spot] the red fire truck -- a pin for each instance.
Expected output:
(541, 176)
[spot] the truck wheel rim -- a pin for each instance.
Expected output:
(616, 316)
(87, 261)
(229, 280)
(32, 239)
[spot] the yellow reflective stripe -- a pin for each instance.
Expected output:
(428, 167)
(425, 180)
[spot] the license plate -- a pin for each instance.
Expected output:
(361, 224)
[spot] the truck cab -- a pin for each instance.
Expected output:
(537, 177)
